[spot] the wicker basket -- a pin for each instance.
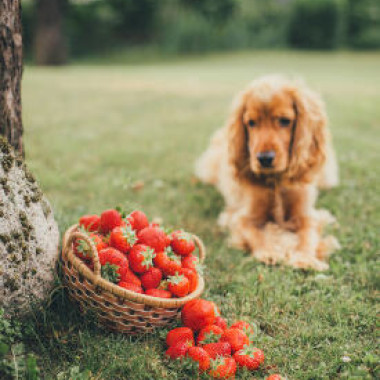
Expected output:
(117, 308)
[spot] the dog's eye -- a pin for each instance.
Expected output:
(284, 121)
(251, 123)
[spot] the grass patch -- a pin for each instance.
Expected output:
(92, 131)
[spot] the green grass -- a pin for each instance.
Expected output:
(92, 131)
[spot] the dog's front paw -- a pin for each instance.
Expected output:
(265, 256)
(301, 260)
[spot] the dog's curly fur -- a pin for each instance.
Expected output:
(270, 211)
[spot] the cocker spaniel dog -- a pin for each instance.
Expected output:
(268, 162)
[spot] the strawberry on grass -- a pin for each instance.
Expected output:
(114, 264)
(123, 238)
(223, 368)
(198, 313)
(275, 376)
(182, 243)
(249, 357)
(141, 258)
(179, 285)
(179, 334)
(90, 223)
(199, 355)
(220, 322)
(209, 334)
(236, 338)
(246, 327)
(218, 349)
(178, 350)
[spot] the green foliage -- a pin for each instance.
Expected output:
(314, 24)
(363, 24)
(15, 361)
(188, 26)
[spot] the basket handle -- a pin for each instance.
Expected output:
(75, 234)
(201, 248)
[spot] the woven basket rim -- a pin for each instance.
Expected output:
(69, 255)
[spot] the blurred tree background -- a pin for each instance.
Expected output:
(56, 30)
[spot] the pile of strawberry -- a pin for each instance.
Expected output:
(206, 339)
(138, 255)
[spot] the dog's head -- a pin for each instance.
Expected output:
(277, 128)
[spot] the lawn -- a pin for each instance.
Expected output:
(92, 131)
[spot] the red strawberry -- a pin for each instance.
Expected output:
(110, 219)
(131, 286)
(130, 277)
(244, 326)
(190, 262)
(151, 278)
(90, 223)
(192, 276)
(141, 258)
(114, 264)
(140, 220)
(209, 334)
(153, 237)
(82, 248)
(182, 243)
(236, 338)
(123, 238)
(198, 354)
(160, 293)
(275, 376)
(178, 350)
(168, 262)
(179, 285)
(223, 368)
(180, 334)
(220, 322)
(198, 313)
(249, 357)
(218, 349)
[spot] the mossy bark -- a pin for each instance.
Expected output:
(11, 73)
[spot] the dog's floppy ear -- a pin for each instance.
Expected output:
(237, 136)
(308, 149)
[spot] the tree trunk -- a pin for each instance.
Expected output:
(11, 72)
(50, 45)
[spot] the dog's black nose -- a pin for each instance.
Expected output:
(266, 158)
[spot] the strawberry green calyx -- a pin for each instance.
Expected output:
(148, 255)
(218, 361)
(129, 235)
(176, 279)
(163, 285)
(83, 247)
(249, 351)
(172, 256)
(210, 337)
(185, 236)
(109, 272)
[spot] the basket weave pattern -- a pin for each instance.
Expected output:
(117, 308)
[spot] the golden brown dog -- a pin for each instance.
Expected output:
(267, 163)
